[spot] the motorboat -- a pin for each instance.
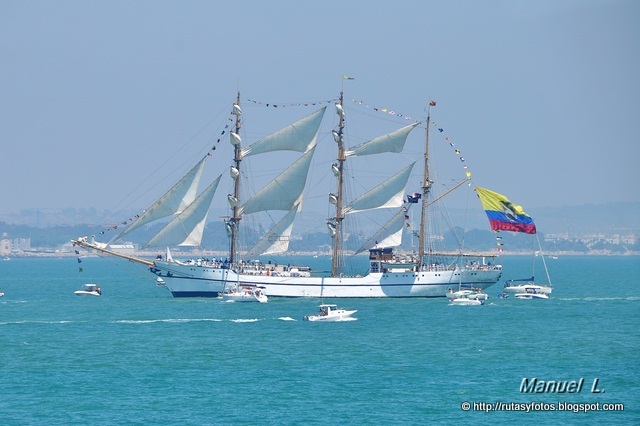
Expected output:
(465, 301)
(89, 290)
(531, 293)
(467, 297)
(524, 288)
(245, 293)
(331, 313)
(529, 285)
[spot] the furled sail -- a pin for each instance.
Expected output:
(187, 228)
(173, 201)
(391, 142)
(284, 191)
(299, 136)
(386, 195)
(277, 239)
(389, 236)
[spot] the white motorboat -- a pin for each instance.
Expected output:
(465, 301)
(331, 313)
(467, 297)
(524, 288)
(1, 294)
(89, 290)
(531, 293)
(246, 293)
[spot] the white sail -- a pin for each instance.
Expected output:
(277, 239)
(284, 191)
(386, 195)
(389, 236)
(391, 142)
(299, 136)
(187, 228)
(173, 201)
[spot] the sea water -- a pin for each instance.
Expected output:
(136, 355)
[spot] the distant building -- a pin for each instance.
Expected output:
(5, 245)
(21, 244)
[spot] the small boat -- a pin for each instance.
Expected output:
(532, 293)
(331, 313)
(89, 290)
(464, 301)
(1, 294)
(246, 293)
(524, 288)
(467, 297)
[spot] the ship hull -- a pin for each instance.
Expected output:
(199, 281)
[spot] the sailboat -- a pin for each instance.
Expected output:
(426, 273)
(505, 216)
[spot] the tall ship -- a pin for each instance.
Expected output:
(421, 272)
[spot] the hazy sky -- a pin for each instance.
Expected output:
(543, 97)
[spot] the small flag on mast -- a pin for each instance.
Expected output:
(432, 103)
(348, 78)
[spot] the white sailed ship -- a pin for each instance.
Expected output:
(424, 273)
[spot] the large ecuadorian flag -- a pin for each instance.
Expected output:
(504, 215)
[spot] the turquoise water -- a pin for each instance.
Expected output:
(138, 356)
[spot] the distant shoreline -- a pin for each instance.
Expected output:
(206, 253)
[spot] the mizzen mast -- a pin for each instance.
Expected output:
(235, 174)
(426, 187)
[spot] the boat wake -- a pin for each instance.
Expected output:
(168, 320)
(286, 319)
(601, 299)
(246, 320)
(38, 322)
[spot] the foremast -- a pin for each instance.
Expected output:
(338, 169)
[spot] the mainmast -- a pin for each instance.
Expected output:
(336, 266)
(426, 186)
(235, 173)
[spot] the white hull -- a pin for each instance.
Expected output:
(543, 289)
(203, 281)
(331, 313)
(335, 316)
(463, 301)
(244, 298)
(86, 293)
(530, 296)
(89, 290)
